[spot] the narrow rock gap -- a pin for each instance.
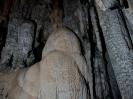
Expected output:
(125, 4)
(104, 51)
(92, 47)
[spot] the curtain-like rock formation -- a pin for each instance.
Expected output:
(104, 28)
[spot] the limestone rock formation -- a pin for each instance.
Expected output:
(18, 47)
(117, 44)
(104, 32)
(62, 73)
(65, 68)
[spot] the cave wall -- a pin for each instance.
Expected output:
(104, 28)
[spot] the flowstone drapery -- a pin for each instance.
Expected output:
(62, 73)
(104, 30)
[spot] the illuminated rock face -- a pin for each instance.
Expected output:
(61, 74)
(21, 84)
(63, 40)
(62, 68)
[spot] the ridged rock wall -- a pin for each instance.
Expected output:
(104, 28)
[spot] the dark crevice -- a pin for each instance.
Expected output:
(104, 55)
(103, 45)
(104, 50)
(1, 5)
(3, 34)
(10, 61)
(116, 6)
(124, 3)
(92, 49)
(38, 50)
(34, 36)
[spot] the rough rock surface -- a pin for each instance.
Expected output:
(62, 73)
(17, 51)
(119, 52)
(104, 28)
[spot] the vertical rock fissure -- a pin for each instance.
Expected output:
(99, 71)
(92, 51)
(104, 51)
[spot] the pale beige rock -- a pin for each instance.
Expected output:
(21, 84)
(64, 66)
(61, 74)
(63, 40)
(62, 78)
